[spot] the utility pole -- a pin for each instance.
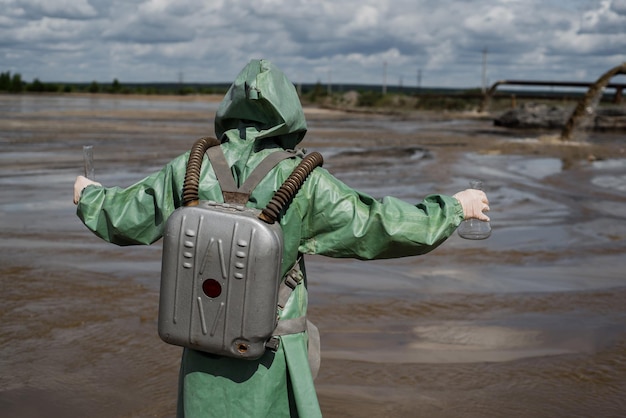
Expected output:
(419, 79)
(329, 88)
(484, 85)
(384, 78)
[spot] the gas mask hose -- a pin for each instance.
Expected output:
(192, 174)
(283, 196)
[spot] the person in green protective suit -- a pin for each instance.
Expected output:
(260, 114)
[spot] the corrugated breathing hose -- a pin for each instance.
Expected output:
(287, 191)
(192, 174)
(282, 197)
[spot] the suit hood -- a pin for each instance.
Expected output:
(261, 103)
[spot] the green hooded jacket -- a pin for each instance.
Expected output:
(260, 114)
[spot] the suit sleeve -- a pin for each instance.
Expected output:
(342, 222)
(136, 214)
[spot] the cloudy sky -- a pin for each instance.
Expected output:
(436, 42)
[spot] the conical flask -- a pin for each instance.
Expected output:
(474, 228)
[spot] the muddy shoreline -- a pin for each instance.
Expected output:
(528, 323)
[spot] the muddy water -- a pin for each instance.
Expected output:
(531, 322)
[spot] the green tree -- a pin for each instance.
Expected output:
(5, 81)
(318, 91)
(116, 87)
(37, 86)
(94, 87)
(369, 98)
(17, 86)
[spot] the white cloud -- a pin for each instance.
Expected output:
(366, 17)
(148, 29)
(35, 9)
(496, 21)
(154, 40)
(46, 31)
(609, 18)
(619, 7)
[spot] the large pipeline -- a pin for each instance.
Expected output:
(586, 107)
(486, 102)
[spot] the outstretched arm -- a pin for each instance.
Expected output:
(342, 222)
(132, 215)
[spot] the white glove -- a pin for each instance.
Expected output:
(80, 183)
(474, 203)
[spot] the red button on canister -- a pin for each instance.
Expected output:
(212, 288)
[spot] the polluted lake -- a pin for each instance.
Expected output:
(529, 322)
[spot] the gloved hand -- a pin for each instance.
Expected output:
(80, 183)
(474, 203)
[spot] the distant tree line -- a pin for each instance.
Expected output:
(340, 96)
(13, 83)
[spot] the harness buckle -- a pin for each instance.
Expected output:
(272, 344)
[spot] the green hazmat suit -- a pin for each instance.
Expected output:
(260, 114)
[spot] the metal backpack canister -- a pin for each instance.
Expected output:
(220, 275)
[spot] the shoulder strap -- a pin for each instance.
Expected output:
(230, 191)
(296, 325)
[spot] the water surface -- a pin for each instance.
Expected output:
(531, 322)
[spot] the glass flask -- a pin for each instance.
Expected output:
(474, 228)
(88, 160)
